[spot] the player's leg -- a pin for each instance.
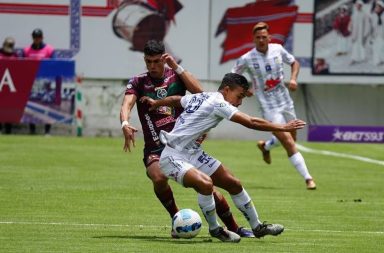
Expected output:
(266, 146)
(161, 187)
(273, 142)
(176, 168)
(223, 178)
(295, 157)
(208, 165)
(224, 212)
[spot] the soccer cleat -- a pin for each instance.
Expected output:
(225, 235)
(244, 232)
(266, 153)
(267, 229)
(311, 185)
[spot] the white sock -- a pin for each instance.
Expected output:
(272, 143)
(207, 206)
(244, 203)
(298, 162)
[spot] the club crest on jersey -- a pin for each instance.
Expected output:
(161, 93)
(129, 86)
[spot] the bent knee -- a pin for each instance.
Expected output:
(158, 179)
(205, 185)
(236, 186)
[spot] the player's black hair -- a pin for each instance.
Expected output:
(232, 80)
(154, 47)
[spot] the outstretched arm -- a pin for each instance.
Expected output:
(173, 101)
(264, 125)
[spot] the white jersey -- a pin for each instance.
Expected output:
(202, 111)
(267, 74)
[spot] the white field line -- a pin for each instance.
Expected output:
(167, 227)
(331, 153)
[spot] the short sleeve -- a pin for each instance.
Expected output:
(240, 66)
(131, 87)
(287, 57)
(185, 100)
(224, 109)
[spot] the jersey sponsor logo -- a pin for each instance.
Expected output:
(271, 83)
(165, 121)
(165, 110)
(148, 86)
(151, 127)
(268, 68)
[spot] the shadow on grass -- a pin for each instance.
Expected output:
(166, 239)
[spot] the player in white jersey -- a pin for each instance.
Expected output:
(264, 64)
(184, 161)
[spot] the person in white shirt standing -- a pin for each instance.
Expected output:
(184, 161)
(264, 64)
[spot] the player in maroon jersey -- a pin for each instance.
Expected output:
(159, 82)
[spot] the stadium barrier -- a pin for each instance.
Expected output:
(37, 91)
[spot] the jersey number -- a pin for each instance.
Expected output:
(194, 104)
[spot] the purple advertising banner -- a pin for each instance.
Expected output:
(361, 134)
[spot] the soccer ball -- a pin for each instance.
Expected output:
(186, 223)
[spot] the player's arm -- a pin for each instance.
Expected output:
(264, 125)
(191, 83)
(295, 68)
(173, 101)
(125, 114)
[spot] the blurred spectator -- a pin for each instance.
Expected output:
(38, 50)
(378, 33)
(341, 26)
(8, 49)
(7, 52)
(360, 32)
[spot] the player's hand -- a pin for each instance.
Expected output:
(151, 102)
(294, 125)
(292, 85)
(129, 135)
(171, 62)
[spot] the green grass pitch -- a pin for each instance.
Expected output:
(68, 194)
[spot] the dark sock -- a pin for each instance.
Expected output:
(167, 200)
(224, 212)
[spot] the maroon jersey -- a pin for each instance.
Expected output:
(162, 118)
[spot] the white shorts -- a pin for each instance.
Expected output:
(280, 115)
(174, 164)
